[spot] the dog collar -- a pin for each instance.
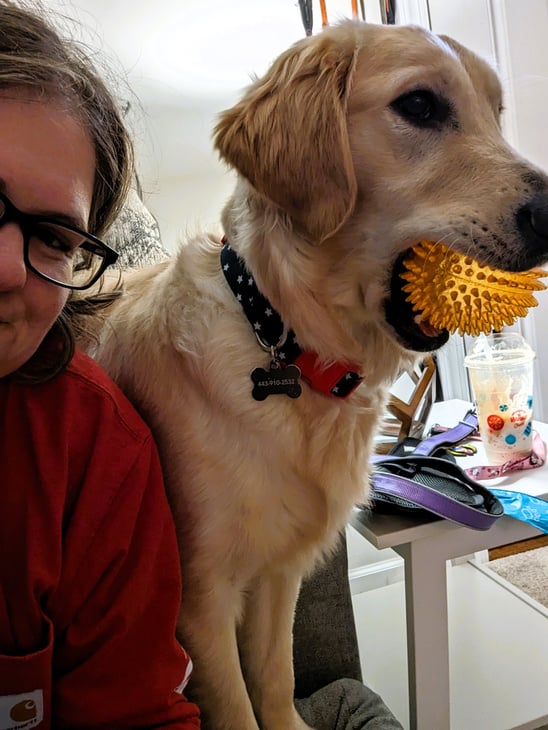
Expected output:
(337, 380)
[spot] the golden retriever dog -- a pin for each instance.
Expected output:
(356, 144)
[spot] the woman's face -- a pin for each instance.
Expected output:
(47, 166)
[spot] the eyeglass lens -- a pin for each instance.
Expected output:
(63, 255)
(59, 253)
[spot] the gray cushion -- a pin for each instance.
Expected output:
(346, 705)
(325, 645)
(135, 235)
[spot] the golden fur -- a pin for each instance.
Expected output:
(333, 186)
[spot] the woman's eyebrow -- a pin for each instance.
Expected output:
(54, 215)
(57, 217)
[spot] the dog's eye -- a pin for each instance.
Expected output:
(421, 108)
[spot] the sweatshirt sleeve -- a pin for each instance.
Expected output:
(117, 663)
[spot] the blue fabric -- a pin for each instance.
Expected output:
(523, 507)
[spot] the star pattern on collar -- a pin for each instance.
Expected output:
(267, 323)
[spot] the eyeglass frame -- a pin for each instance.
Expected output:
(25, 221)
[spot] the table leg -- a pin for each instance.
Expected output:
(427, 636)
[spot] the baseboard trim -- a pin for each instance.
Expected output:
(484, 568)
(375, 575)
(541, 723)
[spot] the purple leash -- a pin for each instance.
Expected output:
(421, 481)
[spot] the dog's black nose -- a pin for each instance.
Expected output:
(532, 220)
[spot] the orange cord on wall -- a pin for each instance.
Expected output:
(355, 11)
(452, 291)
(323, 9)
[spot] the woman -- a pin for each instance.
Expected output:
(89, 578)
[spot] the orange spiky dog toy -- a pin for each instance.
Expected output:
(454, 292)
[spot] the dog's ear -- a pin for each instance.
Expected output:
(288, 135)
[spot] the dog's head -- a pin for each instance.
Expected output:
(369, 138)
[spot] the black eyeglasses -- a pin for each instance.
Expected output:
(58, 252)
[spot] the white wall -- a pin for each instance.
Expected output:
(184, 183)
(186, 186)
(188, 204)
(524, 56)
(513, 34)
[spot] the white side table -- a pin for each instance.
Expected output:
(426, 544)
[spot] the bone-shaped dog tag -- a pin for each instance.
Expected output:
(276, 381)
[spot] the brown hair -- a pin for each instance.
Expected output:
(35, 56)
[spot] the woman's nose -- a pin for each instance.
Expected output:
(13, 272)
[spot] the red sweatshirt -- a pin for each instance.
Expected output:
(89, 572)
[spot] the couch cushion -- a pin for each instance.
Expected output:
(325, 645)
(135, 234)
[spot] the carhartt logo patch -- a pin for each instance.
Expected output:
(18, 712)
